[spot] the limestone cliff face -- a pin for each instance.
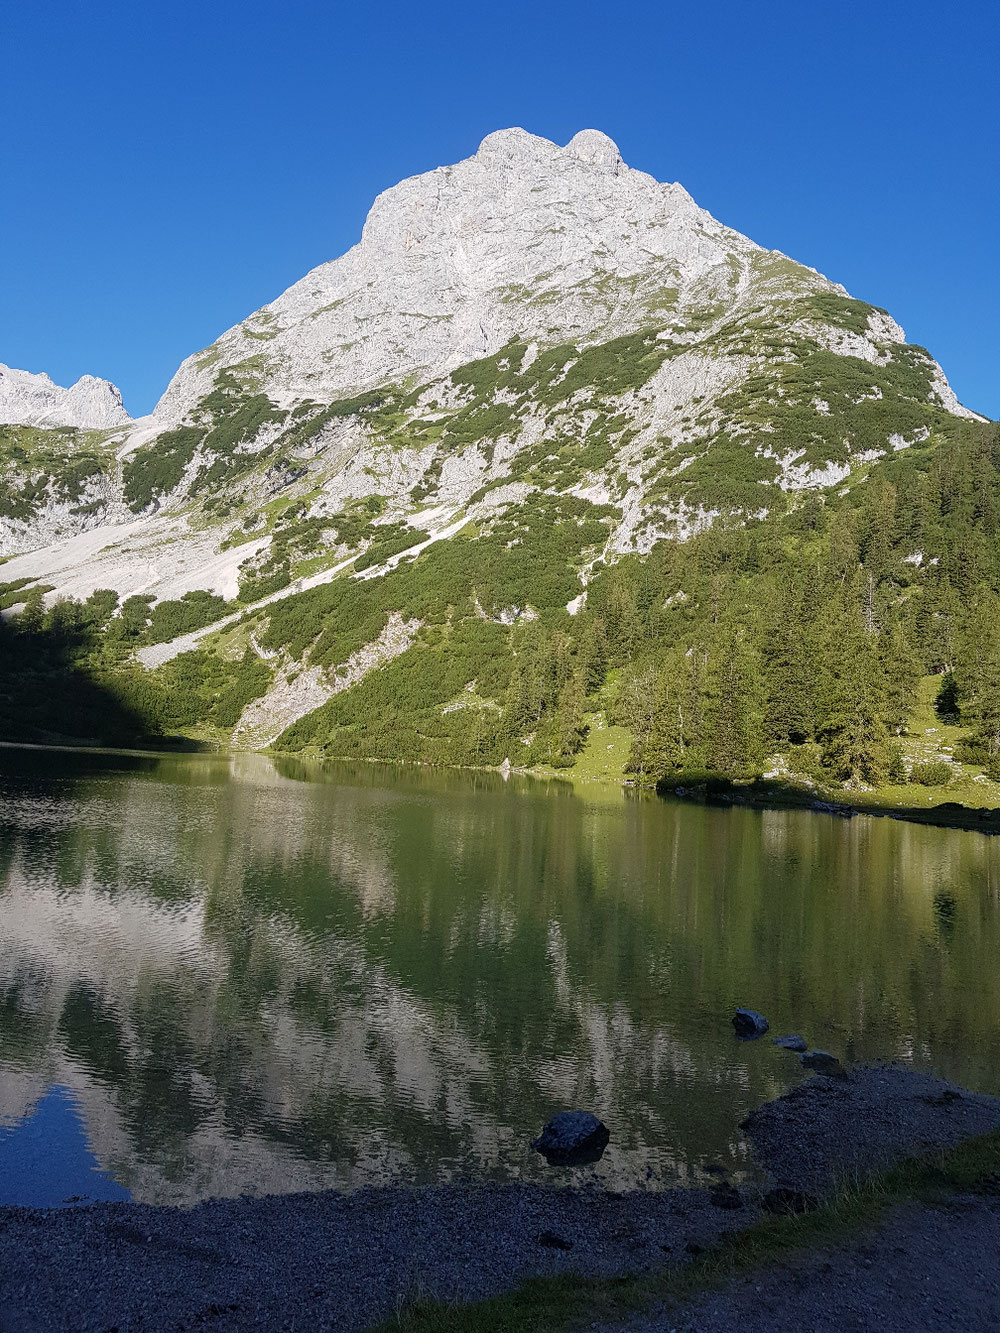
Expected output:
(33, 400)
(525, 239)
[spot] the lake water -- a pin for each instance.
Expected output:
(226, 975)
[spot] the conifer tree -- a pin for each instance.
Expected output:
(638, 709)
(734, 740)
(571, 728)
(854, 736)
(878, 522)
(33, 612)
(656, 716)
(900, 671)
(592, 654)
(789, 713)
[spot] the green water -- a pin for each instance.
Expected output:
(249, 975)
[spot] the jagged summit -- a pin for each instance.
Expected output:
(536, 319)
(34, 400)
(515, 145)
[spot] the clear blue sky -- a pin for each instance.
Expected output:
(169, 167)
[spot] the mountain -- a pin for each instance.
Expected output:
(523, 243)
(568, 292)
(33, 400)
(539, 376)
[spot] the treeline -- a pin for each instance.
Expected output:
(49, 692)
(803, 634)
(807, 636)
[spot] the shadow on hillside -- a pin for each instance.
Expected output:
(775, 794)
(47, 698)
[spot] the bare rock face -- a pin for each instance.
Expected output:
(34, 400)
(524, 239)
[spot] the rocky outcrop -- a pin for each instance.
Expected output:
(297, 692)
(33, 400)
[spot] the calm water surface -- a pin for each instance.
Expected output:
(225, 975)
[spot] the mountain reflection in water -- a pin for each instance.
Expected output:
(255, 975)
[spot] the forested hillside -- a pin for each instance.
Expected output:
(800, 635)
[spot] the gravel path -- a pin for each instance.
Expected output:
(926, 1268)
(344, 1262)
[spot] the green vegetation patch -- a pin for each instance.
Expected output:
(228, 418)
(389, 540)
(42, 465)
(842, 312)
(194, 610)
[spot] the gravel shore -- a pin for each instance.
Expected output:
(344, 1262)
(326, 1261)
(829, 1129)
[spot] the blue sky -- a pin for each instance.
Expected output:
(169, 167)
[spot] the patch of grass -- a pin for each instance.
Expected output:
(604, 753)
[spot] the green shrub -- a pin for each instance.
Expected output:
(191, 612)
(399, 537)
(931, 773)
(157, 468)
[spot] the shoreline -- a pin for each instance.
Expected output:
(696, 788)
(348, 1262)
(760, 794)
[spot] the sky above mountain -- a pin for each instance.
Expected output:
(170, 167)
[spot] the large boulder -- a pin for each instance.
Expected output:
(572, 1138)
(749, 1024)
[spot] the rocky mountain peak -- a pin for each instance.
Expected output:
(514, 147)
(27, 399)
(525, 239)
(596, 149)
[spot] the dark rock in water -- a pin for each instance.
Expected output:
(822, 1061)
(725, 1195)
(572, 1138)
(784, 1201)
(749, 1024)
(793, 1042)
(554, 1242)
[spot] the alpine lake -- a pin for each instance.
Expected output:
(225, 975)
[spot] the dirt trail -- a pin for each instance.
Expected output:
(927, 1267)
